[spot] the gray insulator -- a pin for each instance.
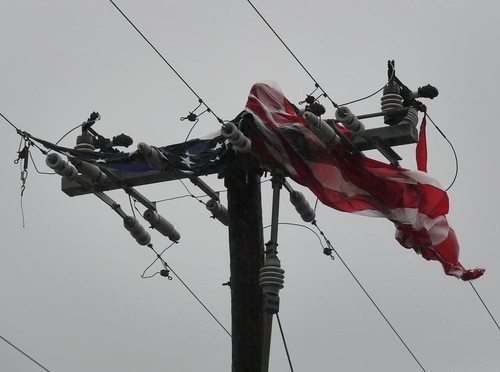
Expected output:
(162, 225)
(136, 230)
(271, 276)
(236, 137)
(218, 211)
(93, 172)
(350, 121)
(152, 155)
(302, 206)
(61, 167)
(411, 117)
(322, 130)
(391, 101)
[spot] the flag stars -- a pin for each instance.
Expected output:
(217, 146)
(187, 161)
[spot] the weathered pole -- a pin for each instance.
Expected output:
(246, 252)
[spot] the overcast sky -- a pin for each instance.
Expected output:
(70, 286)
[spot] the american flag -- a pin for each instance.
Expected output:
(352, 182)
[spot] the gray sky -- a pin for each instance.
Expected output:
(71, 292)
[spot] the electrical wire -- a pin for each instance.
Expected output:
(197, 299)
(158, 256)
(373, 302)
(191, 130)
(36, 168)
(11, 124)
(168, 64)
(190, 193)
(180, 197)
(292, 54)
(284, 342)
(484, 304)
(452, 148)
(299, 225)
(22, 352)
(393, 73)
(68, 132)
(169, 268)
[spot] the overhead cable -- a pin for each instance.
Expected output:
(168, 63)
(292, 54)
(484, 304)
(284, 342)
(373, 302)
(22, 352)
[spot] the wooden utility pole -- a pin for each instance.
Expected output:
(251, 325)
(246, 251)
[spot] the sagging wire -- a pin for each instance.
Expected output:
(78, 126)
(194, 117)
(393, 73)
(452, 149)
(158, 257)
(23, 156)
(165, 272)
(326, 250)
(374, 304)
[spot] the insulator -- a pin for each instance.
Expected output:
(152, 155)
(236, 137)
(91, 171)
(271, 276)
(136, 230)
(391, 99)
(302, 206)
(162, 225)
(322, 130)
(84, 142)
(411, 117)
(61, 167)
(350, 121)
(218, 211)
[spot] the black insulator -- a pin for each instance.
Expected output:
(327, 251)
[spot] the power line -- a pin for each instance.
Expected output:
(168, 267)
(372, 301)
(484, 304)
(168, 63)
(11, 124)
(197, 299)
(292, 54)
(22, 352)
(284, 343)
(452, 149)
